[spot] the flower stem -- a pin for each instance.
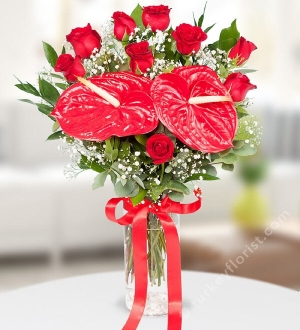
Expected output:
(162, 171)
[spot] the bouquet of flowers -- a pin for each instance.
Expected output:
(153, 107)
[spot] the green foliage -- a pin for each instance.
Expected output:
(201, 18)
(201, 176)
(127, 189)
(137, 16)
(111, 153)
(139, 197)
(93, 165)
(56, 136)
(28, 88)
(50, 54)
(227, 39)
(227, 167)
(100, 180)
(48, 92)
(176, 196)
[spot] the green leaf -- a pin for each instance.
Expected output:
(50, 54)
(195, 22)
(228, 159)
(55, 126)
(113, 177)
(177, 186)
(110, 153)
(135, 191)
(246, 150)
(224, 152)
(139, 197)
(93, 165)
(203, 176)
(229, 37)
(209, 28)
(126, 190)
(139, 181)
(124, 150)
(44, 108)
(223, 71)
(241, 112)
(137, 16)
(214, 46)
(27, 87)
(61, 86)
(200, 21)
(63, 51)
(227, 167)
(57, 76)
(56, 136)
(27, 101)
(244, 70)
(100, 180)
(141, 138)
(209, 169)
(238, 144)
(48, 92)
(176, 196)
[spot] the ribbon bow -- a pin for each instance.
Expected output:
(137, 217)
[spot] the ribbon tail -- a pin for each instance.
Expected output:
(173, 272)
(139, 241)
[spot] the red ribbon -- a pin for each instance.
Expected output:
(137, 217)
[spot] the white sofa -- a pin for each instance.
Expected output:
(41, 211)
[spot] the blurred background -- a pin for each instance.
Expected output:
(250, 219)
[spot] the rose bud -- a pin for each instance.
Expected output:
(157, 17)
(123, 24)
(141, 57)
(63, 63)
(238, 85)
(70, 67)
(242, 50)
(188, 38)
(84, 41)
(160, 148)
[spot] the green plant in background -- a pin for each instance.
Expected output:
(250, 210)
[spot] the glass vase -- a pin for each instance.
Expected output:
(157, 298)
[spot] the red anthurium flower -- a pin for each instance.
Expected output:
(71, 67)
(238, 85)
(141, 56)
(188, 38)
(160, 148)
(84, 41)
(85, 115)
(123, 24)
(157, 17)
(209, 127)
(242, 50)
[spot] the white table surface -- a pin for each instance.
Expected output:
(96, 302)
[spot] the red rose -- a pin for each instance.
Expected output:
(123, 23)
(84, 41)
(160, 148)
(70, 67)
(157, 17)
(238, 85)
(141, 57)
(242, 50)
(188, 38)
(63, 63)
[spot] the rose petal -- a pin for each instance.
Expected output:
(85, 115)
(208, 127)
